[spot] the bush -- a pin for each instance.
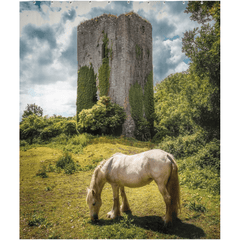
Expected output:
(198, 207)
(183, 146)
(103, 118)
(195, 178)
(49, 132)
(36, 221)
(209, 155)
(31, 127)
(66, 162)
(70, 127)
(42, 172)
(60, 139)
(23, 143)
(81, 139)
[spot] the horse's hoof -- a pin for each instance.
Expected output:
(168, 225)
(110, 215)
(125, 210)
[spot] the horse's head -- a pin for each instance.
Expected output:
(94, 203)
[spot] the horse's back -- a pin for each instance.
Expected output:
(139, 169)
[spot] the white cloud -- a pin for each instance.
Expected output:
(181, 67)
(59, 98)
(175, 47)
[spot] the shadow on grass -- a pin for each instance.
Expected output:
(180, 229)
(156, 224)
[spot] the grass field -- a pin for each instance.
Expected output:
(54, 206)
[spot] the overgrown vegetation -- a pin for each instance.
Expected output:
(86, 88)
(36, 129)
(104, 70)
(139, 52)
(142, 108)
(103, 118)
(187, 105)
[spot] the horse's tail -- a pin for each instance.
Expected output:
(173, 188)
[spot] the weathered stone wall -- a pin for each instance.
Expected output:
(130, 40)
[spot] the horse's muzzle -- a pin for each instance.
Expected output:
(94, 217)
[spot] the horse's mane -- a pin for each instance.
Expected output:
(95, 173)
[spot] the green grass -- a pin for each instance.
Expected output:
(55, 207)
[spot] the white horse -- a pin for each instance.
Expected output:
(134, 171)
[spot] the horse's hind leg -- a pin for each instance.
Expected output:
(125, 206)
(167, 199)
(116, 205)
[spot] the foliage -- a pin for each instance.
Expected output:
(184, 145)
(196, 207)
(36, 221)
(86, 89)
(81, 139)
(103, 76)
(70, 127)
(202, 46)
(209, 155)
(42, 172)
(35, 129)
(32, 109)
(66, 162)
(178, 103)
(142, 108)
(194, 146)
(51, 130)
(103, 118)
(139, 52)
(31, 127)
(148, 99)
(198, 160)
(195, 177)
(104, 70)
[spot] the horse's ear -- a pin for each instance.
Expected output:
(93, 192)
(88, 190)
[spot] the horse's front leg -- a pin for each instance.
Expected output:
(125, 206)
(116, 205)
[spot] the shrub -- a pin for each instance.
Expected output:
(209, 155)
(103, 118)
(36, 221)
(70, 168)
(81, 139)
(42, 172)
(198, 207)
(183, 146)
(49, 132)
(70, 127)
(31, 127)
(23, 143)
(60, 139)
(66, 162)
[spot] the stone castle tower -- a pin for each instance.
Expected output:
(129, 43)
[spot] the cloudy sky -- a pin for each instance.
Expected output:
(48, 46)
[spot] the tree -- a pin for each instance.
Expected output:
(202, 46)
(31, 127)
(32, 109)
